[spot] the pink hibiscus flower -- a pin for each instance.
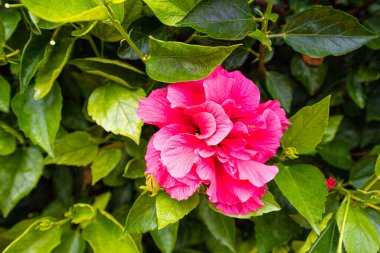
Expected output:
(214, 132)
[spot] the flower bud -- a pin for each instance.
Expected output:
(151, 185)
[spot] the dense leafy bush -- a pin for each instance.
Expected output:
(72, 146)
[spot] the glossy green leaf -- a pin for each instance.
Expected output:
(37, 238)
(305, 187)
(67, 11)
(166, 238)
(321, 30)
(39, 119)
(356, 90)
(5, 94)
(104, 234)
(280, 87)
(10, 19)
(332, 128)
(71, 241)
(7, 143)
(377, 167)
(142, 216)
(337, 154)
(55, 59)
(170, 210)
(114, 108)
(106, 32)
(133, 9)
(327, 242)
(32, 57)
(171, 12)
(104, 163)
(221, 19)
(135, 168)
(220, 226)
(19, 174)
(183, 62)
(86, 28)
(311, 77)
(2, 36)
(308, 127)
(117, 71)
(75, 149)
(359, 234)
(80, 213)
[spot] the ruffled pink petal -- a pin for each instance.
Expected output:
(218, 88)
(182, 191)
(178, 154)
(257, 173)
(223, 122)
(186, 94)
(206, 123)
(206, 169)
(169, 131)
(156, 110)
(275, 106)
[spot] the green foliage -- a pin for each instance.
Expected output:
(72, 147)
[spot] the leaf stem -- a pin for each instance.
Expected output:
(16, 52)
(374, 180)
(93, 45)
(340, 243)
(279, 35)
(264, 28)
(8, 6)
(125, 35)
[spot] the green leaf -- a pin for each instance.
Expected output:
(2, 36)
(58, 11)
(308, 127)
(327, 242)
(337, 154)
(55, 59)
(332, 128)
(39, 119)
(104, 163)
(106, 32)
(183, 62)
(19, 174)
(362, 170)
(117, 71)
(7, 143)
(10, 19)
(104, 235)
(71, 241)
(142, 216)
(171, 12)
(221, 19)
(220, 226)
(170, 210)
(320, 31)
(359, 234)
(37, 238)
(80, 213)
(280, 87)
(166, 238)
(374, 24)
(75, 149)
(135, 168)
(310, 77)
(86, 28)
(260, 36)
(305, 187)
(32, 57)
(377, 167)
(5, 94)
(356, 90)
(114, 108)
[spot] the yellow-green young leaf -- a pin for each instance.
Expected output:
(71, 241)
(183, 62)
(80, 212)
(221, 19)
(19, 174)
(308, 127)
(142, 216)
(135, 168)
(42, 236)
(114, 108)
(117, 71)
(220, 226)
(54, 60)
(86, 28)
(117, 1)
(377, 167)
(170, 210)
(32, 57)
(280, 87)
(260, 36)
(7, 143)
(320, 31)
(104, 234)
(305, 187)
(5, 94)
(39, 119)
(105, 161)
(2, 35)
(10, 19)
(171, 12)
(166, 238)
(59, 11)
(359, 234)
(75, 149)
